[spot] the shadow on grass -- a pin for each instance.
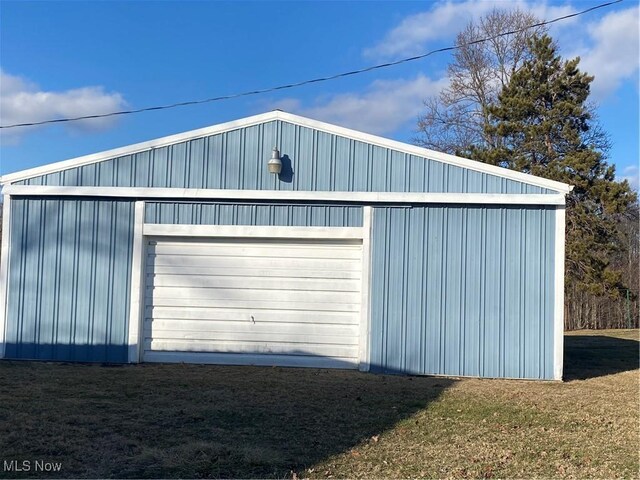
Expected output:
(195, 421)
(590, 356)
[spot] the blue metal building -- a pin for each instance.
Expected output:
(361, 252)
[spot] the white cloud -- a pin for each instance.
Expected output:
(613, 56)
(383, 107)
(445, 19)
(412, 34)
(632, 175)
(22, 101)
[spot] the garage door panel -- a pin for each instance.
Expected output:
(252, 294)
(252, 242)
(252, 282)
(177, 345)
(223, 298)
(323, 264)
(244, 315)
(254, 272)
(259, 305)
(271, 251)
(251, 337)
(213, 327)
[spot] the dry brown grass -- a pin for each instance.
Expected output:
(212, 421)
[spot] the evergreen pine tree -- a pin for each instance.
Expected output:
(546, 129)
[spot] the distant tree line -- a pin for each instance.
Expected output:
(514, 102)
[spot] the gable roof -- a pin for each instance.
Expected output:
(296, 120)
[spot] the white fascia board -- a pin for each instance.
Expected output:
(297, 120)
(288, 195)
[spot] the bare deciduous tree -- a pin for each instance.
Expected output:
(455, 119)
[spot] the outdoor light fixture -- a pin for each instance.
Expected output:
(275, 164)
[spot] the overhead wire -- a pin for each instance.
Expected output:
(313, 80)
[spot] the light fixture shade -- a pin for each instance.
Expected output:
(275, 164)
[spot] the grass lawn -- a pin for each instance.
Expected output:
(214, 421)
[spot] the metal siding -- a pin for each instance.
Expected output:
(312, 160)
(465, 290)
(69, 281)
(253, 214)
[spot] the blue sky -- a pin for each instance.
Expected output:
(74, 58)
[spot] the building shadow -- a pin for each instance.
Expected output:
(590, 356)
(201, 421)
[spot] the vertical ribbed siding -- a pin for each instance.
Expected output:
(312, 161)
(69, 279)
(253, 214)
(464, 290)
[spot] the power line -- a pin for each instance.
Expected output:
(314, 80)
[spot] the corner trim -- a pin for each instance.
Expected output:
(136, 307)
(558, 307)
(365, 315)
(4, 270)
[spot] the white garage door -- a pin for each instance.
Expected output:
(253, 301)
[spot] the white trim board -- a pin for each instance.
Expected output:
(365, 319)
(289, 195)
(4, 270)
(296, 120)
(136, 306)
(558, 307)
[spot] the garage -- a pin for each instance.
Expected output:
(284, 241)
(263, 301)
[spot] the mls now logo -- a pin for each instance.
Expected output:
(28, 466)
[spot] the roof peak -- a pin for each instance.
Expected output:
(299, 120)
